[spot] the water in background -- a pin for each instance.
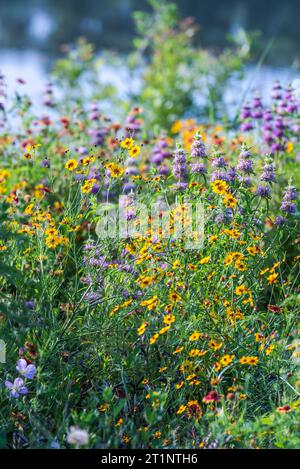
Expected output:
(44, 25)
(34, 67)
(32, 32)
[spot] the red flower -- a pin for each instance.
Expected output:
(212, 396)
(284, 409)
(194, 410)
(274, 309)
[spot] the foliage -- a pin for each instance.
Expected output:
(178, 334)
(176, 69)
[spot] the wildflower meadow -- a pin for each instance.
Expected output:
(149, 260)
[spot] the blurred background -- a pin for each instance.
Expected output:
(43, 25)
(33, 31)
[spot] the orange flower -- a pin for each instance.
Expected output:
(284, 409)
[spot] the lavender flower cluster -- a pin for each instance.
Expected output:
(278, 122)
(180, 171)
(198, 151)
(241, 174)
(161, 152)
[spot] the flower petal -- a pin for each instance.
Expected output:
(18, 382)
(8, 384)
(30, 371)
(23, 390)
(21, 365)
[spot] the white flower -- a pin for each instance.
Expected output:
(77, 437)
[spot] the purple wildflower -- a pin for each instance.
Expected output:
(160, 152)
(245, 153)
(245, 166)
(163, 170)
(80, 177)
(276, 147)
(181, 186)
(219, 162)
(231, 173)
(256, 102)
(219, 175)
(129, 214)
(45, 163)
(267, 115)
(246, 126)
(28, 371)
(290, 193)
(16, 388)
(93, 298)
(279, 221)
(157, 158)
(97, 136)
(223, 217)
(179, 166)
(288, 207)
(245, 112)
(268, 174)
(199, 168)
(132, 124)
(198, 147)
(245, 181)
(263, 191)
(95, 189)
